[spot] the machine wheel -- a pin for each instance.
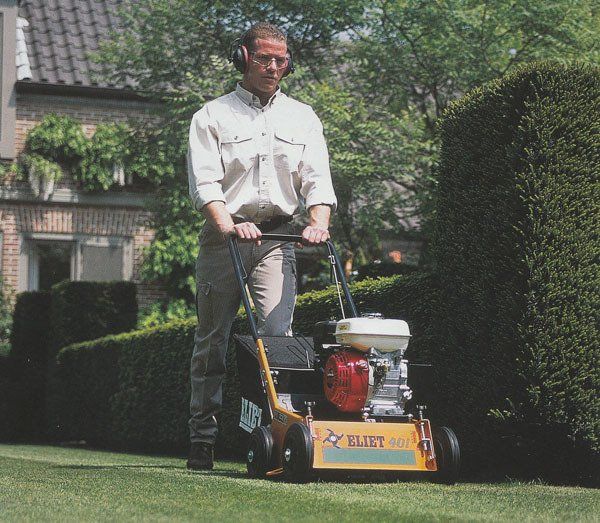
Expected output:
(260, 450)
(297, 455)
(447, 454)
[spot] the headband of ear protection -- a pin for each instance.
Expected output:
(238, 55)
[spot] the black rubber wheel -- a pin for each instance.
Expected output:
(260, 451)
(447, 455)
(297, 454)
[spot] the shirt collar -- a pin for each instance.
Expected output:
(251, 99)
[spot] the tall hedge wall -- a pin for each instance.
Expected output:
(131, 391)
(28, 363)
(5, 391)
(517, 252)
(44, 322)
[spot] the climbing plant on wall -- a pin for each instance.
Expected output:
(112, 156)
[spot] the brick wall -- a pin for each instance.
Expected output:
(18, 217)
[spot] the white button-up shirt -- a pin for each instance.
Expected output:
(261, 161)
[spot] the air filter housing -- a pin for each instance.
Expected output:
(384, 335)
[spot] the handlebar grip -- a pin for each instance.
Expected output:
(282, 237)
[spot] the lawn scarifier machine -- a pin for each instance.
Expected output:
(336, 402)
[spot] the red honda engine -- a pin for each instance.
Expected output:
(346, 380)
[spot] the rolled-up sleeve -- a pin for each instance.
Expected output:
(205, 170)
(316, 188)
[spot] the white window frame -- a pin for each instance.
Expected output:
(29, 264)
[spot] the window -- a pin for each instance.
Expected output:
(52, 264)
(47, 259)
(101, 263)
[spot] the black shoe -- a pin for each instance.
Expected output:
(201, 457)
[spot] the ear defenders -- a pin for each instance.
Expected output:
(238, 55)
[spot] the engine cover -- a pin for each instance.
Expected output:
(346, 380)
(373, 383)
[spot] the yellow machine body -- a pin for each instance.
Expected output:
(353, 445)
(356, 445)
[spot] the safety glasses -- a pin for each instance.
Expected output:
(265, 61)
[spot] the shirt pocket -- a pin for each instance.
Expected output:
(238, 152)
(288, 149)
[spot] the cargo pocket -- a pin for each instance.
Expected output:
(202, 291)
(289, 261)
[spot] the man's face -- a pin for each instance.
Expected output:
(258, 79)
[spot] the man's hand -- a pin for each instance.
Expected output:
(314, 235)
(247, 231)
(216, 213)
(317, 232)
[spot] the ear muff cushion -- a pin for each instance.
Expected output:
(290, 67)
(239, 57)
(244, 51)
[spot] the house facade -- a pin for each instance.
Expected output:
(70, 233)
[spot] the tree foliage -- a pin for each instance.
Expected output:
(378, 73)
(372, 159)
(427, 54)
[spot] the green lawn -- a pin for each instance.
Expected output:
(54, 483)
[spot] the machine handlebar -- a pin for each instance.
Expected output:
(239, 272)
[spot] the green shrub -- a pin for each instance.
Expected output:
(28, 361)
(153, 395)
(517, 252)
(41, 167)
(132, 391)
(87, 377)
(5, 313)
(159, 313)
(86, 310)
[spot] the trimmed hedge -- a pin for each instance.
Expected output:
(132, 391)
(31, 327)
(44, 322)
(28, 362)
(86, 310)
(517, 252)
(6, 386)
(380, 270)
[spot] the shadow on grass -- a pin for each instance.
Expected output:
(224, 473)
(113, 467)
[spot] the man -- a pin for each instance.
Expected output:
(255, 158)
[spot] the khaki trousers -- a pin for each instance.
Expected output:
(271, 269)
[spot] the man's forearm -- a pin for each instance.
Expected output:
(319, 216)
(216, 214)
(317, 230)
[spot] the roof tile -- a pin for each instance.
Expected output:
(60, 36)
